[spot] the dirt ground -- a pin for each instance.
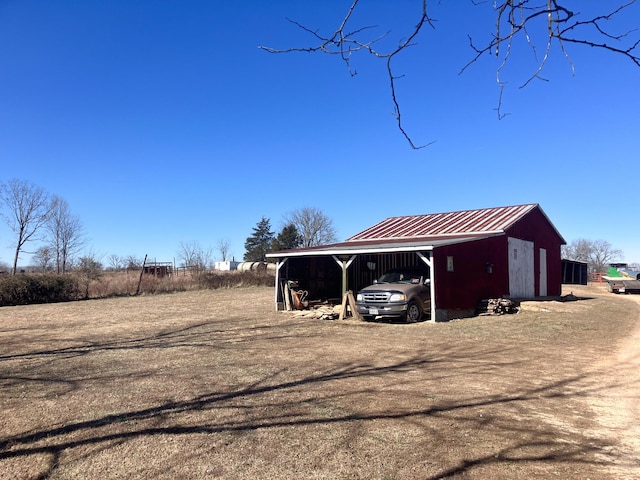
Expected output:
(216, 384)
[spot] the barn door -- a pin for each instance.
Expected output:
(521, 272)
(543, 272)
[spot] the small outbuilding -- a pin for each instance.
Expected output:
(158, 269)
(574, 272)
(470, 255)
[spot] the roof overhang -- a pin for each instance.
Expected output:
(372, 247)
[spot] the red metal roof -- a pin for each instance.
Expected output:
(481, 221)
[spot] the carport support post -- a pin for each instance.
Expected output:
(344, 262)
(279, 264)
(432, 283)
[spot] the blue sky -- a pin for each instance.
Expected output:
(161, 122)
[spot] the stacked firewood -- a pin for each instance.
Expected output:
(497, 306)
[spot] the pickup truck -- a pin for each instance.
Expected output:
(399, 293)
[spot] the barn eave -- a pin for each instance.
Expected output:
(388, 246)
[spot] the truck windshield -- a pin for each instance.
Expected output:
(399, 277)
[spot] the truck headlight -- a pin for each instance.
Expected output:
(359, 297)
(397, 297)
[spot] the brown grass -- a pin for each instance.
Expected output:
(216, 384)
(33, 288)
(116, 284)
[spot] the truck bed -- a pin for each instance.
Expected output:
(622, 285)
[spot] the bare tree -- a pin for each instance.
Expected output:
(578, 250)
(313, 227)
(598, 254)
(89, 269)
(116, 262)
(132, 262)
(29, 210)
(66, 231)
(223, 245)
(552, 20)
(602, 254)
(193, 255)
(43, 258)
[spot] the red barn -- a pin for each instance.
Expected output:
(470, 255)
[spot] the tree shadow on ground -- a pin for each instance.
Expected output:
(532, 443)
(294, 394)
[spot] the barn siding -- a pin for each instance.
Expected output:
(471, 280)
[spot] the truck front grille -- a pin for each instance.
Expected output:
(376, 297)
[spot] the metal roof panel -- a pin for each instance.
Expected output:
(485, 220)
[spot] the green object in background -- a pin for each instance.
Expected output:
(613, 272)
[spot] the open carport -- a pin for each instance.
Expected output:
(469, 255)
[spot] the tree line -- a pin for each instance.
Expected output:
(597, 254)
(33, 215)
(36, 217)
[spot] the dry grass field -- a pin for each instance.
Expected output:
(215, 384)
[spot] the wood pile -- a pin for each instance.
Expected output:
(320, 312)
(497, 306)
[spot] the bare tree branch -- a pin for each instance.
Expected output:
(514, 19)
(223, 245)
(346, 44)
(516, 16)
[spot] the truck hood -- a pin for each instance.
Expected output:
(406, 288)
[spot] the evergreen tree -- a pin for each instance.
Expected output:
(287, 239)
(259, 244)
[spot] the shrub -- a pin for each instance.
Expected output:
(27, 289)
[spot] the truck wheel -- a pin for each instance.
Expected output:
(414, 312)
